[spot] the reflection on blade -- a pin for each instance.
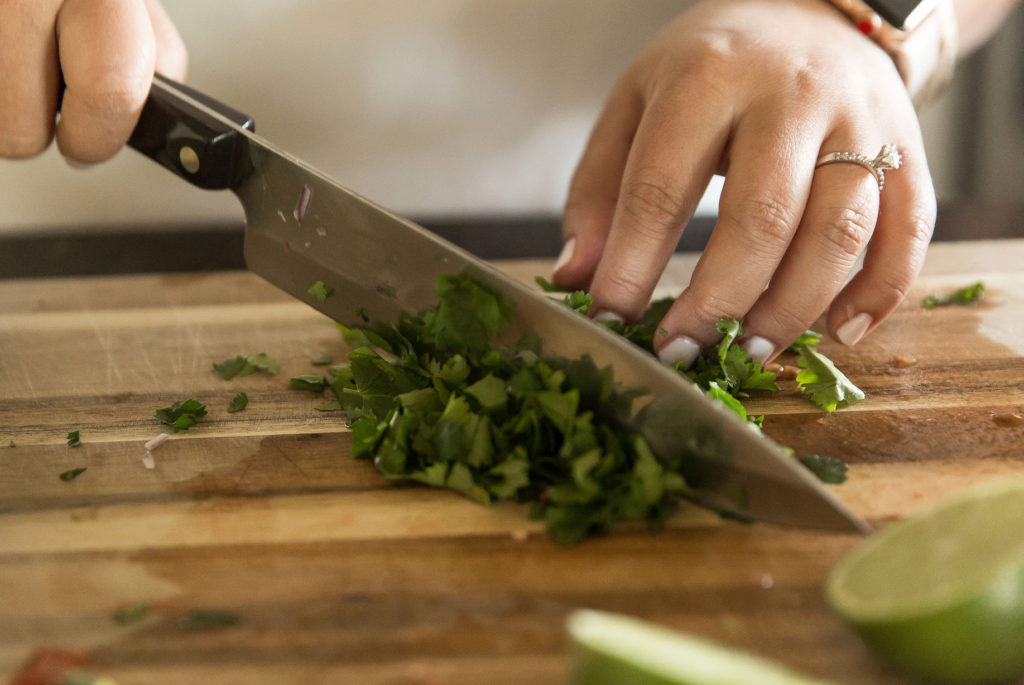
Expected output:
(301, 227)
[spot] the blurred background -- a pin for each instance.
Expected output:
(466, 115)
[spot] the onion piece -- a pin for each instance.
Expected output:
(157, 441)
(303, 204)
(147, 461)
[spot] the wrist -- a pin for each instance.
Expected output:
(923, 48)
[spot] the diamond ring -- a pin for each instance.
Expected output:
(887, 158)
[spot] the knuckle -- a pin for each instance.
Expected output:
(115, 93)
(768, 221)
(648, 201)
(848, 229)
(628, 284)
(898, 283)
(710, 309)
(920, 226)
(787, 321)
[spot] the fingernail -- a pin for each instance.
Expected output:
(760, 349)
(606, 316)
(853, 330)
(567, 251)
(681, 350)
(75, 164)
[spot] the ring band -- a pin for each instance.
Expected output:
(887, 158)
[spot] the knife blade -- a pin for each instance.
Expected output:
(302, 227)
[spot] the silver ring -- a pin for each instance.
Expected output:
(887, 158)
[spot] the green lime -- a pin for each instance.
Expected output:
(609, 649)
(941, 593)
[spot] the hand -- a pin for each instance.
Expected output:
(106, 51)
(756, 90)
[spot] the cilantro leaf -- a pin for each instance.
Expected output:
(325, 360)
(468, 315)
(238, 403)
(827, 386)
(181, 416)
(229, 368)
(827, 469)
(807, 338)
(967, 295)
(261, 362)
(308, 383)
(72, 473)
(320, 291)
(74, 439)
(246, 366)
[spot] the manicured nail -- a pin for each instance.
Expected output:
(75, 164)
(681, 350)
(760, 349)
(606, 316)
(566, 256)
(853, 330)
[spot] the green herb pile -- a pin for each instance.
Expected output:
(432, 398)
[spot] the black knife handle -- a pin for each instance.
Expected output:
(189, 141)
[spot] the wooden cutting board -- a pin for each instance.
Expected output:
(338, 576)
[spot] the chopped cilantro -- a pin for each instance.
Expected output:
(131, 614)
(72, 473)
(432, 398)
(325, 360)
(308, 383)
(206, 619)
(828, 387)
(181, 416)
(320, 291)
(12, 444)
(967, 295)
(74, 439)
(246, 366)
(827, 469)
(238, 403)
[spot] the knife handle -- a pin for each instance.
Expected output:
(195, 142)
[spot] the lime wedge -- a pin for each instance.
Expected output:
(609, 649)
(941, 594)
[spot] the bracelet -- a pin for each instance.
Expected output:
(924, 55)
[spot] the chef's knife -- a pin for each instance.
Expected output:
(302, 227)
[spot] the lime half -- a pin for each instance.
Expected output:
(941, 593)
(609, 649)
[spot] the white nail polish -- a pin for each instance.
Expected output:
(681, 350)
(567, 251)
(760, 349)
(608, 317)
(853, 330)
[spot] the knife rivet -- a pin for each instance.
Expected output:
(189, 159)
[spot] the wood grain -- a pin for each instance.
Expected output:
(338, 576)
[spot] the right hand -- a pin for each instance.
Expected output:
(106, 51)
